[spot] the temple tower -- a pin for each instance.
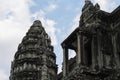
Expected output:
(96, 45)
(35, 58)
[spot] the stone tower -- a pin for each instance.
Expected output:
(35, 59)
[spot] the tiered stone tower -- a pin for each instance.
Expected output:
(35, 59)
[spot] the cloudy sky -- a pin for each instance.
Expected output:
(59, 18)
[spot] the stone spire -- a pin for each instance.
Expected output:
(37, 23)
(34, 53)
(97, 6)
(87, 10)
(87, 1)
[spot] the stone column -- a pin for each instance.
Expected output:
(65, 61)
(100, 54)
(83, 55)
(116, 56)
(95, 51)
(78, 56)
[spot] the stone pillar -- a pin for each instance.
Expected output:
(78, 56)
(100, 54)
(94, 51)
(65, 61)
(116, 56)
(83, 55)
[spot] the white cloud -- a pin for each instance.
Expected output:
(75, 22)
(73, 25)
(3, 76)
(107, 5)
(51, 7)
(51, 30)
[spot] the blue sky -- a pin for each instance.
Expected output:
(59, 18)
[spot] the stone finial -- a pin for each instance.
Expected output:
(87, 0)
(88, 3)
(97, 6)
(37, 23)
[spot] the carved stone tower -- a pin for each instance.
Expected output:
(35, 59)
(96, 44)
